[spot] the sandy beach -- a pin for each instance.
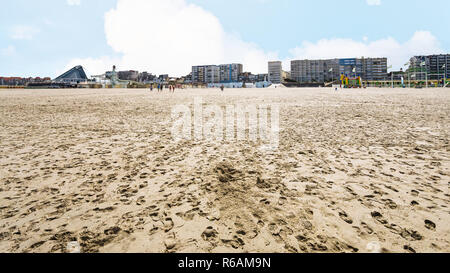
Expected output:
(355, 171)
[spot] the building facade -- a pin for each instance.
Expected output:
(248, 77)
(230, 72)
(73, 76)
(275, 72)
(224, 73)
(19, 81)
(129, 75)
(435, 66)
(309, 71)
(146, 77)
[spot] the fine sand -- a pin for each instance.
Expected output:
(355, 171)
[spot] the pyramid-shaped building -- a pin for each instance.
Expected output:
(74, 75)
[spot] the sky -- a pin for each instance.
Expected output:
(47, 37)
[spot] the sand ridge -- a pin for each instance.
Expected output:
(354, 168)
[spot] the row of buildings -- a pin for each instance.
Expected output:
(18, 81)
(302, 71)
(432, 67)
(320, 71)
(136, 76)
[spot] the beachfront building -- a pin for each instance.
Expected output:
(73, 76)
(205, 74)
(129, 75)
(275, 72)
(146, 77)
(309, 71)
(224, 73)
(19, 81)
(285, 75)
(230, 72)
(248, 77)
(435, 66)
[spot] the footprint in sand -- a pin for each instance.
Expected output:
(389, 203)
(345, 217)
(168, 224)
(366, 228)
(430, 225)
(209, 234)
(170, 243)
(414, 193)
(377, 216)
(411, 235)
(409, 249)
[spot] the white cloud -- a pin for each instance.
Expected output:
(422, 42)
(23, 32)
(373, 2)
(73, 2)
(169, 36)
(8, 51)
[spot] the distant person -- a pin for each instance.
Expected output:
(222, 87)
(151, 87)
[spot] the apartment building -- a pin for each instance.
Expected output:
(223, 73)
(308, 71)
(275, 72)
(436, 66)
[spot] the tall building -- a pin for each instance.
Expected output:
(275, 72)
(223, 73)
(374, 69)
(308, 71)
(230, 72)
(436, 66)
(198, 74)
(315, 70)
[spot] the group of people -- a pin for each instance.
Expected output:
(161, 88)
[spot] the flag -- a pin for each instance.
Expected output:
(422, 64)
(389, 67)
(443, 66)
(354, 70)
(331, 70)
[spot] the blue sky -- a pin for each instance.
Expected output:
(42, 38)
